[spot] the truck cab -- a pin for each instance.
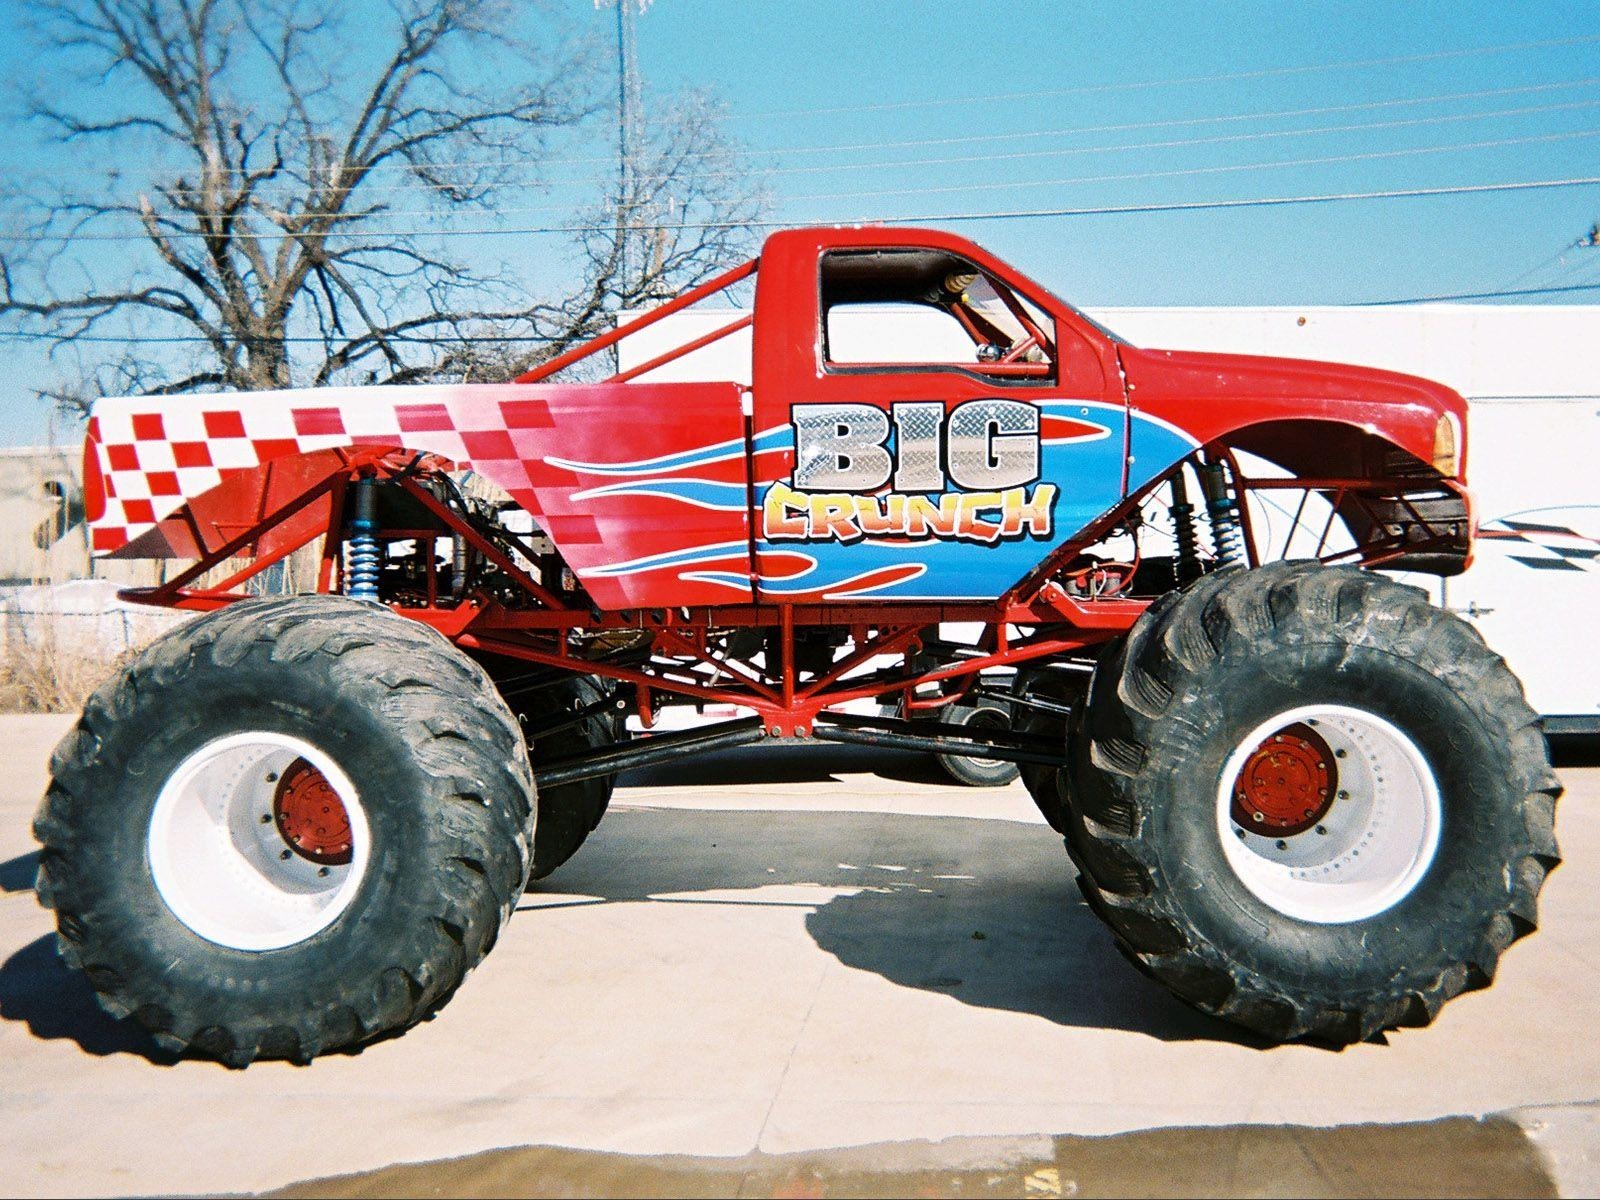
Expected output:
(999, 424)
(940, 469)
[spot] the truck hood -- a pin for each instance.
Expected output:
(1211, 395)
(1246, 377)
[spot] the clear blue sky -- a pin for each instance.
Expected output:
(833, 73)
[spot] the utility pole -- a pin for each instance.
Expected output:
(628, 103)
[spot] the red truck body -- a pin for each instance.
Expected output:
(1301, 796)
(880, 497)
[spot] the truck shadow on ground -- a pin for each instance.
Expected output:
(17, 874)
(1575, 750)
(37, 989)
(983, 911)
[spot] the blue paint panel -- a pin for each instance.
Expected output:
(1088, 475)
(1154, 447)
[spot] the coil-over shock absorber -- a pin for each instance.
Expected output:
(1227, 542)
(362, 559)
(1188, 538)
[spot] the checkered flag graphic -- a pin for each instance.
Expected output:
(1542, 546)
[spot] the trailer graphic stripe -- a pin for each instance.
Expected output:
(1543, 545)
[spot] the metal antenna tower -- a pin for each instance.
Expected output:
(628, 134)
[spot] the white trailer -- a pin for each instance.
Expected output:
(1531, 376)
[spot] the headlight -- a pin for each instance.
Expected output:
(1446, 448)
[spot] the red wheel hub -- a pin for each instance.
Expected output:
(311, 817)
(1287, 785)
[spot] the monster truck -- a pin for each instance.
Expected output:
(1300, 797)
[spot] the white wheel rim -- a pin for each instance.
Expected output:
(1376, 840)
(219, 861)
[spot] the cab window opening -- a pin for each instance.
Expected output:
(946, 314)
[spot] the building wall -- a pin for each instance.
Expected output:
(43, 538)
(41, 517)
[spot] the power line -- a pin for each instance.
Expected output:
(1567, 273)
(1223, 169)
(1177, 122)
(1182, 81)
(1189, 172)
(1259, 202)
(190, 214)
(998, 215)
(1540, 266)
(1497, 294)
(1221, 139)
(1545, 264)
(1116, 127)
(1069, 151)
(832, 168)
(34, 335)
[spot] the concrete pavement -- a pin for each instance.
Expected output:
(782, 951)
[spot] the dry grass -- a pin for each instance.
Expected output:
(52, 658)
(39, 673)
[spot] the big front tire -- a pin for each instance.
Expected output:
(285, 828)
(1047, 696)
(1311, 803)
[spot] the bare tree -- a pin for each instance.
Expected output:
(268, 232)
(687, 210)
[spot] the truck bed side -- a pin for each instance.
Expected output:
(627, 481)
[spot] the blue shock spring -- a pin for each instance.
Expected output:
(363, 558)
(1227, 540)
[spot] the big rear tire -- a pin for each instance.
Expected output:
(979, 772)
(1311, 803)
(568, 812)
(285, 828)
